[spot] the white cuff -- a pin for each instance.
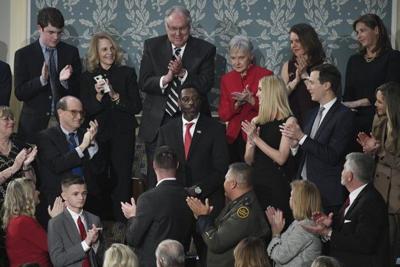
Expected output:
(303, 139)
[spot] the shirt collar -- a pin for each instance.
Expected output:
(165, 179)
(66, 132)
(182, 49)
(354, 194)
(194, 121)
(74, 214)
(328, 105)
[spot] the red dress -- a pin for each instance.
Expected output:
(26, 242)
(233, 82)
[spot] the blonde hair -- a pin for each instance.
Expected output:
(273, 100)
(120, 255)
(19, 199)
(5, 112)
(92, 58)
(251, 252)
(306, 199)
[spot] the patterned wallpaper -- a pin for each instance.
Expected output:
(266, 22)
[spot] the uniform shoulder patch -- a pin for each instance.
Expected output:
(243, 212)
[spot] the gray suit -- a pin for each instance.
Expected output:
(65, 241)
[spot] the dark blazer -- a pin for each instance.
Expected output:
(361, 238)
(64, 240)
(327, 150)
(161, 213)
(37, 99)
(112, 117)
(208, 157)
(56, 162)
(5, 84)
(198, 60)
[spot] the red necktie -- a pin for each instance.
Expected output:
(188, 138)
(82, 231)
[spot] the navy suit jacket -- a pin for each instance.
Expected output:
(198, 60)
(56, 162)
(208, 158)
(161, 213)
(37, 99)
(326, 152)
(361, 238)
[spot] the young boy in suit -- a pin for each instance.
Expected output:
(74, 235)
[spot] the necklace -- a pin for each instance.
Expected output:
(369, 59)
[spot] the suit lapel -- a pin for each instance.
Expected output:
(179, 137)
(356, 201)
(327, 119)
(60, 140)
(198, 132)
(187, 55)
(38, 56)
(71, 228)
(308, 125)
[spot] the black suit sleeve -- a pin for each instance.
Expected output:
(149, 80)
(332, 152)
(220, 161)
(56, 160)
(74, 80)
(26, 87)
(138, 226)
(130, 100)
(5, 84)
(203, 76)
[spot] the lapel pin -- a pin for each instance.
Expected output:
(198, 131)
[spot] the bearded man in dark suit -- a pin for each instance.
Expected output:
(169, 61)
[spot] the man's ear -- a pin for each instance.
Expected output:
(63, 195)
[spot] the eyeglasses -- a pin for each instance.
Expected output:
(75, 113)
(182, 30)
(7, 119)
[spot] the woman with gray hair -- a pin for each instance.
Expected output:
(238, 100)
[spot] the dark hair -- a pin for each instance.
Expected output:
(329, 73)
(165, 158)
(310, 41)
(391, 94)
(71, 180)
(188, 86)
(372, 21)
(50, 15)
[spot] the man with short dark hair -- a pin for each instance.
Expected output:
(170, 253)
(241, 217)
(358, 234)
(161, 213)
(169, 61)
(324, 137)
(52, 71)
(68, 149)
(73, 235)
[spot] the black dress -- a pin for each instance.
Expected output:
(271, 182)
(299, 99)
(362, 80)
(116, 132)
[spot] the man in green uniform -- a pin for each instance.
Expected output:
(241, 217)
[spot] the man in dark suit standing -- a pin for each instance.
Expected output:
(52, 71)
(324, 137)
(202, 153)
(168, 61)
(358, 234)
(67, 149)
(161, 213)
(5, 84)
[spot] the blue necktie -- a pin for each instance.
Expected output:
(52, 76)
(72, 145)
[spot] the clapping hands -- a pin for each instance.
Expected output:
(368, 143)
(129, 209)
(275, 219)
(197, 207)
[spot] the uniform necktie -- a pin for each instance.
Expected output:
(52, 75)
(82, 232)
(314, 130)
(188, 138)
(72, 145)
(172, 97)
